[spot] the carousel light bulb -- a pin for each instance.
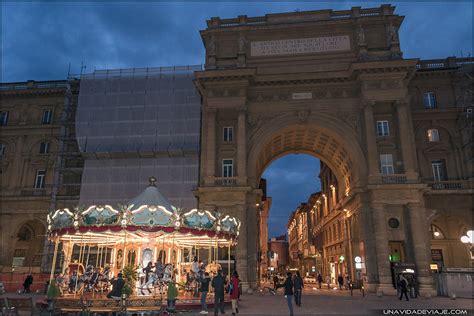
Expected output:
(218, 228)
(123, 222)
(436, 234)
(76, 223)
(177, 224)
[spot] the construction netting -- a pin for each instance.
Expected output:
(132, 124)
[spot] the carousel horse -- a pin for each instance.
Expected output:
(157, 282)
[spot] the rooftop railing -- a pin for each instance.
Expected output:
(301, 16)
(31, 84)
(450, 62)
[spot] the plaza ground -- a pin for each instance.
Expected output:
(332, 302)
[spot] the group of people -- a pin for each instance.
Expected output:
(293, 287)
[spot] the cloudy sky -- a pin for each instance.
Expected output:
(40, 40)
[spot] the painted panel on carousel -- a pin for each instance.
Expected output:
(100, 215)
(199, 219)
(151, 215)
(61, 218)
(230, 224)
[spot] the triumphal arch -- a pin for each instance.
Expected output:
(310, 82)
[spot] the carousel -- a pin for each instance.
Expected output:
(148, 240)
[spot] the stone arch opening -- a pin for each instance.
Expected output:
(325, 138)
(29, 242)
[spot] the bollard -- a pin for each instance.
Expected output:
(379, 293)
(453, 296)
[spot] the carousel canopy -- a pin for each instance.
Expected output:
(146, 217)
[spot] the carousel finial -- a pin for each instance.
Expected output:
(152, 181)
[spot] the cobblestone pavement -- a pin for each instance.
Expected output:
(333, 302)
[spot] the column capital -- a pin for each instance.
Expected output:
(402, 102)
(368, 103)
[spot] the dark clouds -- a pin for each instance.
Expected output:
(40, 39)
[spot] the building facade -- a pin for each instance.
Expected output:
(395, 133)
(41, 168)
(300, 240)
(334, 84)
(278, 254)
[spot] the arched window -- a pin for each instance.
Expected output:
(25, 233)
(436, 233)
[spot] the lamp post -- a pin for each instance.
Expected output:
(468, 239)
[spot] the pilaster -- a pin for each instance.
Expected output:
(407, 140)
(241, 147)
(372, 153)
(210, 119)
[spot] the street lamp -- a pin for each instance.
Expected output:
(468, 238)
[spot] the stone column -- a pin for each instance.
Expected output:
(381, 247)
(241, 251)
(372, 153)
(210, 173)
(241, 147)
(366, 231)
(407, 140)
(421, 247)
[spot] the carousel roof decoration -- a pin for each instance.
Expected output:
(148, 215)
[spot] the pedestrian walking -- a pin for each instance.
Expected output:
(27, 283)
(403, 285)
(218, 283)
(275, 282)
(320, 280)
(288, 285)
(298, 286)
(328, 281)
(204, 289)
(171, 296)
(234, 292)
(340, 281)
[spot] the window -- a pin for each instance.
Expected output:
(228, 134)
(439, 170)
(2, 150)
(228, 168)
(382, 128)
(44, 147)
(39, 180)
(47, 117)
(429, 100)
(3, 118)
(386, 164)
(433, 135)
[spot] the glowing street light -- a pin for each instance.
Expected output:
(468, 238)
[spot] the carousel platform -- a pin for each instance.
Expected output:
(134, 304)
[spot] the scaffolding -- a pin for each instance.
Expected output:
(135, 123)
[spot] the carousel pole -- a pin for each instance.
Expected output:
(228, 259)
(88, 253)
(80, 252)
(124, 249)
(97, 255)
(55, 254)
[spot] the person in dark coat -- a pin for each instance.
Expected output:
(218, 283)
(403, 285)
(117, 286)
(204, 288)
(275, 282)
(27, 283)
(340, 280)
(298, 285)
(320, 280)
(288, 285)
